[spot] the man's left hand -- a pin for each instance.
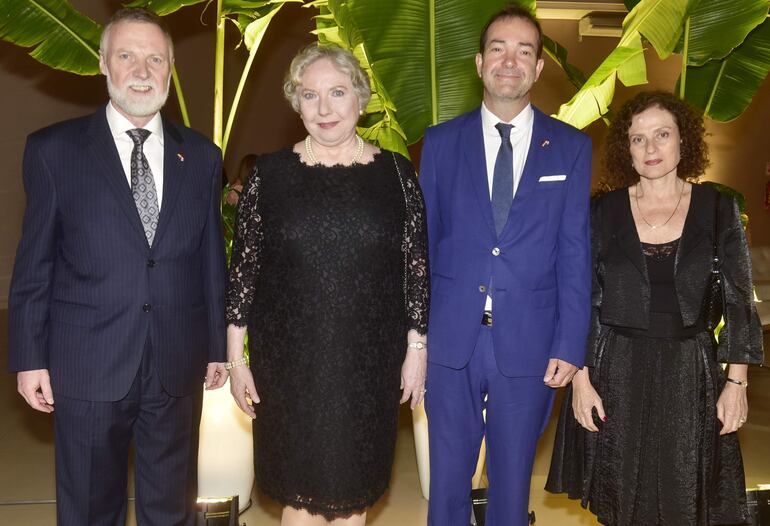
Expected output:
(216, 375)
(559, 373)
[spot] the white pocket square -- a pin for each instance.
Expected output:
(547, 178)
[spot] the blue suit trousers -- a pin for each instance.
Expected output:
(516, 410)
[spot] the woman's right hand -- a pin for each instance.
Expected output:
(584, 399)
(243, 389)
(241, 381)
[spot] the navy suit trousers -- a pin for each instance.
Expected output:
(92, 447)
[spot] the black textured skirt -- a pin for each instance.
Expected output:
(658, 459)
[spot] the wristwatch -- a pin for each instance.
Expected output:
(418, 345)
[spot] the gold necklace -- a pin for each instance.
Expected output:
(653, 227)
(357, 157)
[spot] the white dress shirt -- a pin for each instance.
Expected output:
(153, 146)
(521, 136)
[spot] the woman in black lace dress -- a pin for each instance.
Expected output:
(646, 434)
(329, 274)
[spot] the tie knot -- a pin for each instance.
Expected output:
(138, 135)
(504, 129)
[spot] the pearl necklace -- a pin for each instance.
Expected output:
(664, 223)
(356, 158)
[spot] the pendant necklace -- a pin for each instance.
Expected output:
(653, 227)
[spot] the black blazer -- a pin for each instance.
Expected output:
(621, 288)
(88, 292)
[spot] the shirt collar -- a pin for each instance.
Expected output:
(119, 125)
(520, 122)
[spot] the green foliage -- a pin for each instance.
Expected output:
(717, 27)
(379, 125)
(251, 18)
(558, 54)
(421, 53)
(626, 63)
(660, 22)
(62, 37)
(723, 87)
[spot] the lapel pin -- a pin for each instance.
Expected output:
(180, 157)
(545, 143)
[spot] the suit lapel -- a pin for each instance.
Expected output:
(538, 147)
(106, 155)
(476, 165)
(694, 229)
(173, 175)
(627, 237)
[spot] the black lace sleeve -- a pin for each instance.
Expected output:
(245, 259)
(416, 249)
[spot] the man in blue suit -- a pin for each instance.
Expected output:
(116, 304)
(506, 192)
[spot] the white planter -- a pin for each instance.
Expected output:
(226, 450)
(420, 428)
(422, 452)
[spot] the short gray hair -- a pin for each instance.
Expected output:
(342, 59)
(135, 14)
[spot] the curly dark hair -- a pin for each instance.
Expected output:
(693, 150)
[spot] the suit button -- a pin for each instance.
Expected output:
(146, 307)
(150, 263)
(482, 288)
(495, 251)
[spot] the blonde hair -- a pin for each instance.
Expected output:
(342, 59)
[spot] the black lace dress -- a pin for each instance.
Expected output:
(658, 460)
(329, 273)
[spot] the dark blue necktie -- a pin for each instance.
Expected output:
(502, 180)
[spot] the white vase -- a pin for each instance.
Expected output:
(226, 450)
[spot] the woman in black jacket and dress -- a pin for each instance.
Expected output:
(646, 434)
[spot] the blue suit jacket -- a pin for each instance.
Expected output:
(88, 292)
(540, 262)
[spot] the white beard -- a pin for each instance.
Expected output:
(144, 106)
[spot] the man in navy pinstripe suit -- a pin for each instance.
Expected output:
(116, 303)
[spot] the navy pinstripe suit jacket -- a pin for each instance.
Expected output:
(88, 292)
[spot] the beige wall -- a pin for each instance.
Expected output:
(34, 96)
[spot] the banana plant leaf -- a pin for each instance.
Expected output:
(62, 37)
(558, 54)
(252, 38)
(717, 27)
(422, 53)
(724, 88)
(379, 125)
(660, 22)
(229, 7)
(593, 99)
